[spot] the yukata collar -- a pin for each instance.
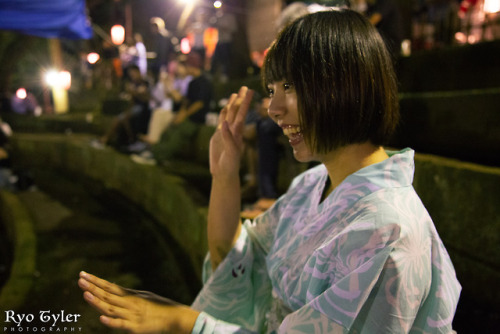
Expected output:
(394, 172)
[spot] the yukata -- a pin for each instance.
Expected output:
(366, 259)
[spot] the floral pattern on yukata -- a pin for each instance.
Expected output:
(367, 259)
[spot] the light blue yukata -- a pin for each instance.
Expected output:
(367, 259)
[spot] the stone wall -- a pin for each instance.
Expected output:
(168, 198)
(19, 230)
(463, 199)
(449, 102)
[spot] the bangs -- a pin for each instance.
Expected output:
(277, 64)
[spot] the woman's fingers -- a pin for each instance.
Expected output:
(223, 116)
(107, 297)
(246, 100)
(103, 284)
(95, 295)
(234, 110)
(106, 308)
(234, 106)
(117, 323)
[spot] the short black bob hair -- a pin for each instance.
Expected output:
(343, 76)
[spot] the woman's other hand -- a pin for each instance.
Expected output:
(123, 310)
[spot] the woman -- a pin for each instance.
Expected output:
(350, 247)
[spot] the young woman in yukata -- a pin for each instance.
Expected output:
(349, 248)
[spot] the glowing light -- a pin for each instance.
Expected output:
(93, 57)
(185, 45)
(461, 37)
(472, 39)
(491, 6)
(210, 38)
(117, 34)
(58, 79)
(65, 77)
(187, 1)
(51, 78)
(217, 4)
(406, 47)
(21, 93)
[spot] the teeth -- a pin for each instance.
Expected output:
(289, 131)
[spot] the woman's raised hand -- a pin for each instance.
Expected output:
(123, 310)
(226, 145)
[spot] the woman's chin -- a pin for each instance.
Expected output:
(302, 156)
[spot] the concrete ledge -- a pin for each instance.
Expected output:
(473, 66)
(21, 233)
(464, 202)
(463, 125)
(462, 198)
(168, 198)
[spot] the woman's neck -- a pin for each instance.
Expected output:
(347, 160)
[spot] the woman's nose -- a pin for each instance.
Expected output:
(276, 107)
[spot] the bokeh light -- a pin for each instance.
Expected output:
(185, 45)
(21, 93)
(60, 79)
(117, 34)
(93, 57)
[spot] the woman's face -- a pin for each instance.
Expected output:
(283, 109)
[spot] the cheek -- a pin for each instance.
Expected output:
(292, 107)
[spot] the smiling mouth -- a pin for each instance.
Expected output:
(293, 133)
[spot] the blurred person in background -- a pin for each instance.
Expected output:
(196, 31)
(189, 117)
(24, 102)
(166, 99)
(162, 47)
(263, 134)
(226, 25)
(133, 121)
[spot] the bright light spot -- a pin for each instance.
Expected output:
(58, 79)
(406, 47)
(472, 39)
(491, 6)
(217, 4)
(93, 57)
(21, 93)
(186, 2)
(65, 79)
(461, 37)
(51, 78)
(117, 34)
(185, 45)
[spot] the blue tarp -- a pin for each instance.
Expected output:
(46, 18)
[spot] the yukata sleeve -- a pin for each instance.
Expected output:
(236, 297)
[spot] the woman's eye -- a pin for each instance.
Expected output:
(287, 86)
(270, 92)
